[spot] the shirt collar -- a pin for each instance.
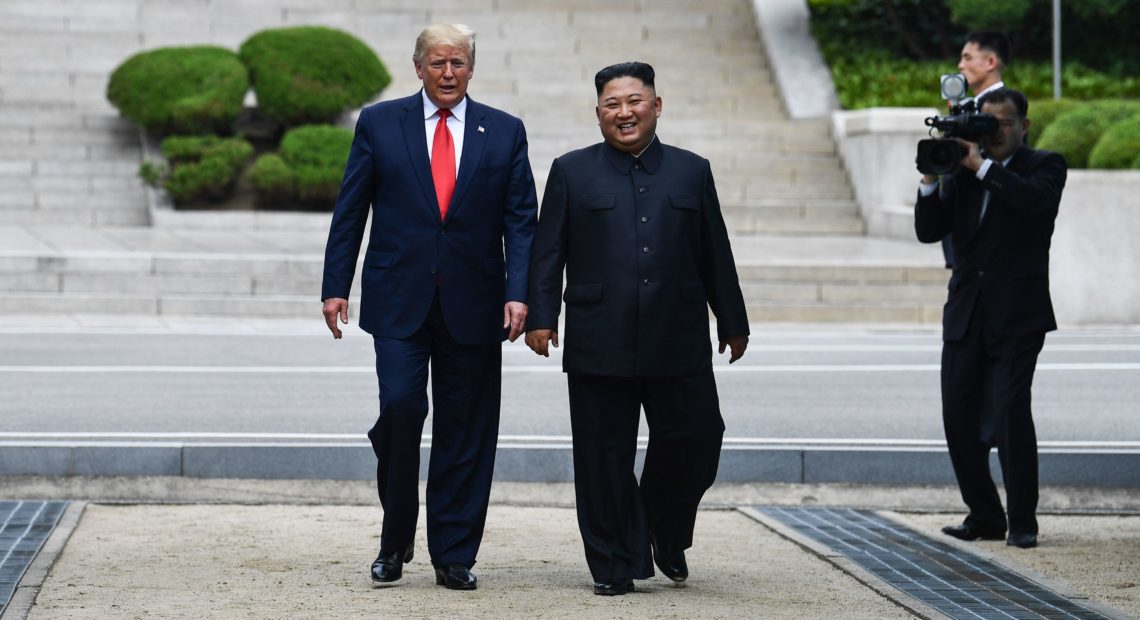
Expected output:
(650, 157)
(993, 87)
(459, 111)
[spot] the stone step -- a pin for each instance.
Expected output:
(270, 284)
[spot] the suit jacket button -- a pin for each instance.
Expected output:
(981, 273)
(645, 281)
(644, 219)
(645, 249)
(642, 190)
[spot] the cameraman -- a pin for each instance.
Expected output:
(1000, 206)
(985, 55)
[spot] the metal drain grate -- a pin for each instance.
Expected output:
(24, 526)
(950, 580)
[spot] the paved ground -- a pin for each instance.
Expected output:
(237, 560)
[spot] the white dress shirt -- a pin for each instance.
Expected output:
(455, 124)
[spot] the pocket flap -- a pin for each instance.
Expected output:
(693, 292)
(583, 293)
(684, 201)
(596, 202)
(379, 259)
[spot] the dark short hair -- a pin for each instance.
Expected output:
(640, 70)
(993, 42)
(1002, 95)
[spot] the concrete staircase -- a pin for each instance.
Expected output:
(69, 194)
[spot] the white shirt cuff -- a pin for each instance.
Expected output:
(984, 168)
(927, 189)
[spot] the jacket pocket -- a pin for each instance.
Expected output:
(693, 292)
(379, 260)
(684, 201)
(583, 293)
(598, 202)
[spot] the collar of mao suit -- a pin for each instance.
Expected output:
(650, 158)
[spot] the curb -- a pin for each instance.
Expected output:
(548, 459)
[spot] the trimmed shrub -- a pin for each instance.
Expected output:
(273, 180)
(187, 90)
(1075, 133)
(1043, 113)
(311, 74)
(1119, 147)
(308, 167)
(202, 167)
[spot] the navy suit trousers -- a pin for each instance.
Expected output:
(466, 392)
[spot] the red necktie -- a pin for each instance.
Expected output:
(443, 163)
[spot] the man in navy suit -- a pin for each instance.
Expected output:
(444, 282)
(637, 227)
(1000, 206)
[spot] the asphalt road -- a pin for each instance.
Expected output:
(842, 383)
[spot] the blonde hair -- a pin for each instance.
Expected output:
(456, 35)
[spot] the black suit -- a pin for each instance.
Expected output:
(994, 324)
(646, 253)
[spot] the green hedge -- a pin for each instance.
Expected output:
(877, 80)
(1043, 113)
(307, 169)
(311, 74)
(1075, 133)
(203, 168)
(1119, 147)
(186, 90)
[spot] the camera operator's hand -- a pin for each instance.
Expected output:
(973, 158)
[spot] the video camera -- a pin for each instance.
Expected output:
(943, 155)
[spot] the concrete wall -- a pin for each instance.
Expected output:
(1095, 268)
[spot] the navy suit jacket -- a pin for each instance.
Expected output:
(478, 256)
(646, 253)
(1004, 259)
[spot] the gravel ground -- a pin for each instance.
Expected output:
(236, 561)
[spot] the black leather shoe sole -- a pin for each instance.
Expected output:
(617, 588)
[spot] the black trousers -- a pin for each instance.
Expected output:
(466, 390)
(986, 393)
(616, 516)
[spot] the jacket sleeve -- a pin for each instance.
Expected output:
(718, 268)
(350, 215)
(1036, 192)
(934, 214)
(548, 256)
(519, 220)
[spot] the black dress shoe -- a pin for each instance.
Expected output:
(672, 564)
(613, 588)
(389, 565)
(455, 577)
(966, 531)
(1025, 541)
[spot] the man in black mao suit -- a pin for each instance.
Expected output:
(1000, 206)
(637, 227)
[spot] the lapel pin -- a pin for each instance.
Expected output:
(481, 130)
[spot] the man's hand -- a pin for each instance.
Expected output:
(973, 157)
(737, 343)
(514, 317)
(539, 339)
(335, 306)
